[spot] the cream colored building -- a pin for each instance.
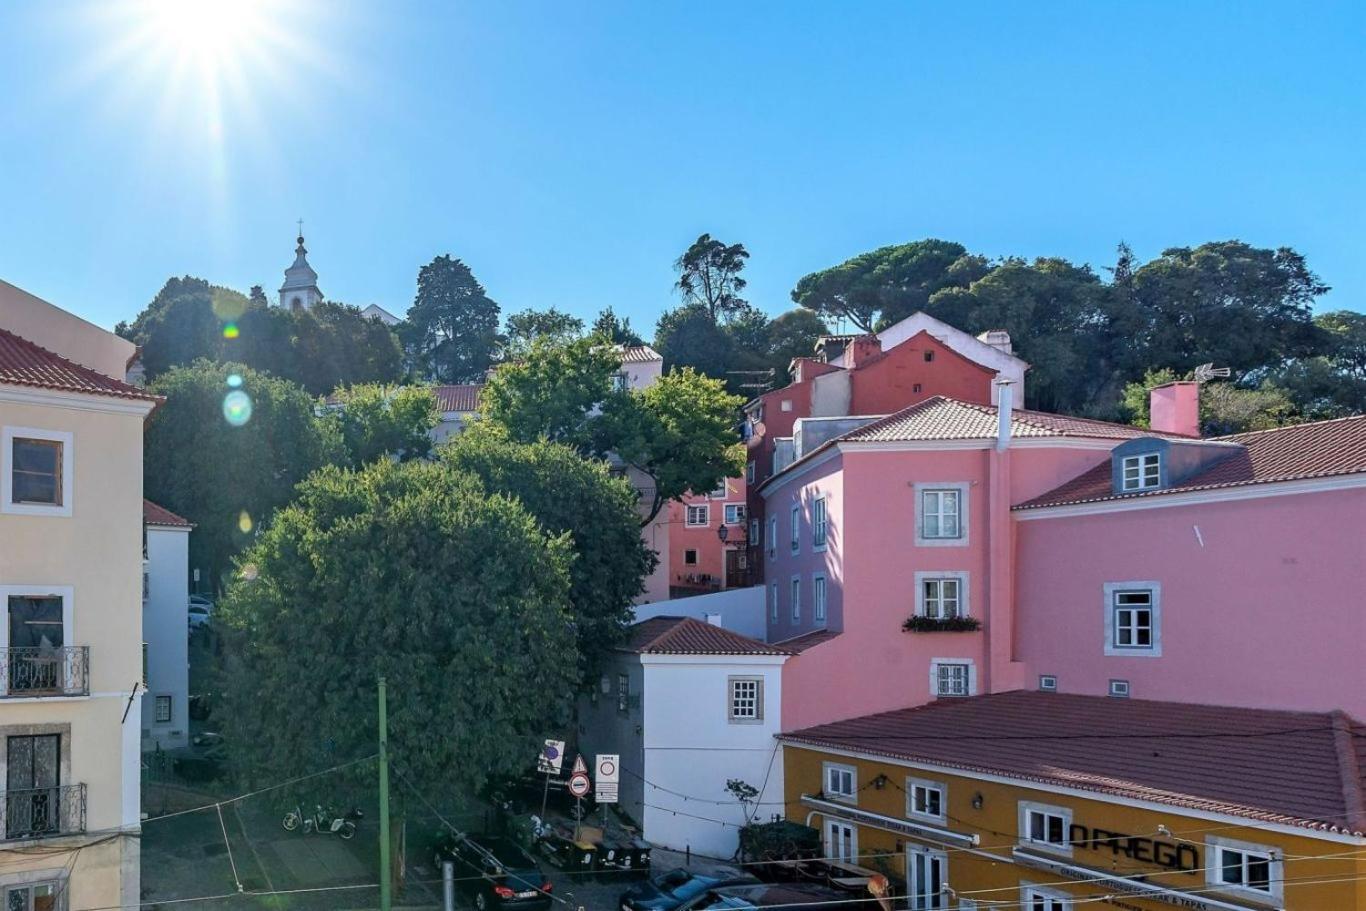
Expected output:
(71, 586)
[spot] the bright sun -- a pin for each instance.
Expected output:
(208, 34)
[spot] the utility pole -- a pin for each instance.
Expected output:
(385, 899)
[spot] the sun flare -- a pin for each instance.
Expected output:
(207, 34)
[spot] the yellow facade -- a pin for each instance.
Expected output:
(70, 822)
(1097, 851)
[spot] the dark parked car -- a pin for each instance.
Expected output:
(789, 896)
(495, 871)
(671, 890)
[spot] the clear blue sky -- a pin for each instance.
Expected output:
(569, 151)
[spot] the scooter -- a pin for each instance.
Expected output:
(323, 820)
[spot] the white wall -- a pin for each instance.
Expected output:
(741, 609)
(691, 747)
(164, 628)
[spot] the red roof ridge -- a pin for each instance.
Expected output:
(690, 636)
(1236, 437)
(84, 379)
(156, 514)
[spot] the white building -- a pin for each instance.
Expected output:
(375, 311)
(689, 706)
(459, 404)
(165, 622)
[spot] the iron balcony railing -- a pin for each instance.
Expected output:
(62, 671)
(43, 812)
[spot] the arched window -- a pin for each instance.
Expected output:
(296, 304)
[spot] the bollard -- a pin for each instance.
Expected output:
(448, 885)
(687, 855)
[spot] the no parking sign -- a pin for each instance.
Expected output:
(607, 775)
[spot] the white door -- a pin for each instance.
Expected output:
(926, 873)
(841, 842)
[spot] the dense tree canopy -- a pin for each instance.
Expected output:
(411, 571)
(577, 497)
(615, 329)
(375, 422)
(183, 323)
(527, 326)
(225, 450)
(452, 328)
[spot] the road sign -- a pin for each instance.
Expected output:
(579, 767)
(578, 784)
(551, 758)
(607, 775)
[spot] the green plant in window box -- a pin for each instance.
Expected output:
(919, 624)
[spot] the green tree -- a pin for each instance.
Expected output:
(577, 498)
(1224, 407)
(184, 322)
(452, 328)
(225, 450)
(885, 285)
(690, 337)
(335, 345)
(791, 335)
(1331, 384)
(614, 329)
(529, 325)
(709, 277)
(375, 422)
(1228, 303)
(411, 571)
(679, 433)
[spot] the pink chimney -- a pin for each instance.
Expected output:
(1175, 408)
(863, 349)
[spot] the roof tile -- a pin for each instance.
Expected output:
(944, 418)
(458, 398)
(152, 514)
(22, 363)
(687, 636)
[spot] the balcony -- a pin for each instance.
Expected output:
(43, 812)
(30, 672)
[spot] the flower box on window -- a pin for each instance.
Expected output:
(920, 624)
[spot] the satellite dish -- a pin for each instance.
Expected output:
(1206, 372)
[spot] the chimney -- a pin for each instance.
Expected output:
(998, 339)
(863, 349)
(1175, 408)
(1005, 410)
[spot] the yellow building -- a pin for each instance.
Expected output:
(71, 587)
(1051, 802)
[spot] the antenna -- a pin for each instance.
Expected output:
(1206, 372)
(768, 375)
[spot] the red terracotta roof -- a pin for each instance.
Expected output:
(686, 636)
(1295, 768)
(798, 644)
(22, 363)
(943, 418)
(458, 398)
(152, 514)
(639, 354)
(1318, 450)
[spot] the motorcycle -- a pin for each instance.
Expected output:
(323, 820)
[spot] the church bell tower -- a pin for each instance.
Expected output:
(300, 290)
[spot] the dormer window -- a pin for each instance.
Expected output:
(1141, 472)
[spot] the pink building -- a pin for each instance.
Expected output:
(1037, 550)
(702, 557)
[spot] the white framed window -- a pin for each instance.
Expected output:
(720, 492)
(773, 602)
(941, 515)
(796, 598)
(818, 524)
(38, 625)
(1043, 825)
(36, 471)
(734, 513)
(44, 895)
(785, 405)
(1119, 689)
(746, 702)
(623, 693)
(941, 595)
(749, 472)
(1133, 619)
(1141, 472)
(841, 781)
(621, 382)
(1041, 898)
(926, 799)
(953, 677)
(1247, 869)
(926, 876)
(772, 537)
(818, 597)
(841, 841)
(163, 710)
(1048, 683)
(796, 528)
(698, 515)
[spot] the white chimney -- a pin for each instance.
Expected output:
(713, 619)
(1005, 408)
(998, 339)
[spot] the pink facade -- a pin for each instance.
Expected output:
(699, 560)
(1260, 599)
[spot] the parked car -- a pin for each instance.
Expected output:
(789, 896)
(671, 890)
(495, 871)
(201, 611)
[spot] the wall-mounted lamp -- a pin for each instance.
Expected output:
(880, 782)
(977, 800)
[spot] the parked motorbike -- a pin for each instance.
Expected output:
(323, 820)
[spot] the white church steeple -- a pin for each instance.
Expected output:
(300, 290)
